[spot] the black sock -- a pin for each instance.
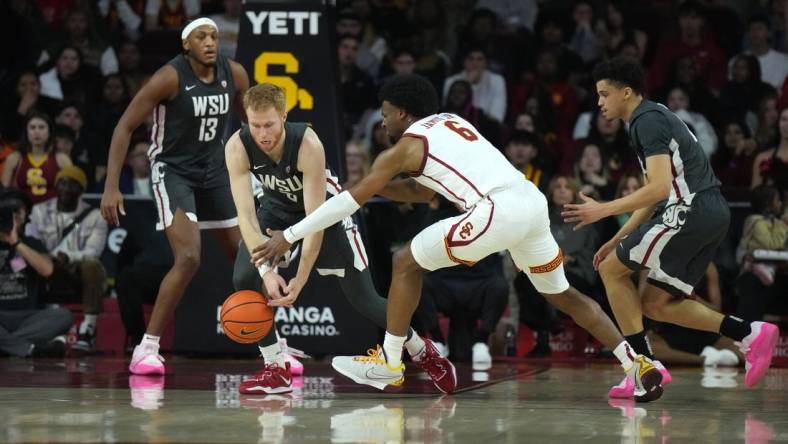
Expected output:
(640, 344)
(734, 328)
(481, 336)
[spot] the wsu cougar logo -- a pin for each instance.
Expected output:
(675, 215)
(465, 232)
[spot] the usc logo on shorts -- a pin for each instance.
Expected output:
(548, 267)
(465, 232)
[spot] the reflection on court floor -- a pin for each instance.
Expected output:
(96, 400)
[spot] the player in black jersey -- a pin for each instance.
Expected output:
(190, 98)
(289, 160)
(679, 219)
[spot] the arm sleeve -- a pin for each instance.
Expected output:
(653, 134)
(330, 212)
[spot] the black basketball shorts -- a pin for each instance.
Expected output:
(677, 245)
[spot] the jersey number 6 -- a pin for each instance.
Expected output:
(465, 133)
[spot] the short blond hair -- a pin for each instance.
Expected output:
(264, 95)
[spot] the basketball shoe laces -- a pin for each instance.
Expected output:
(377, 356)
(374, 356)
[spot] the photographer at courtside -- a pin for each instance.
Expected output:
(26, 329)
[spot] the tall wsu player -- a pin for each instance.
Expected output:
(504, 211)
(190, 98)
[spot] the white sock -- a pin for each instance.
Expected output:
(88, 323)
(272, 354)
(415, 344)
(392, 345)
(625, 354)
(150, 341)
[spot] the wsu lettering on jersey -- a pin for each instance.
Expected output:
(211, 105)
(290, 186)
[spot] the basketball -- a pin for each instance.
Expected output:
(245, 317)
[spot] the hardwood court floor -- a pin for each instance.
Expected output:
(198, 402)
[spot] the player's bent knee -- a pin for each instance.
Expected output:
(612, 268)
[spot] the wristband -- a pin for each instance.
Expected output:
(265, 268)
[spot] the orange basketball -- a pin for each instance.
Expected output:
(245, 317)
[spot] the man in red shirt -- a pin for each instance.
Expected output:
(691, 41)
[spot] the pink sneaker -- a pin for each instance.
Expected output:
(290, 354)
(758, 347)
(146, 361)
(666, 378)
(626, 388)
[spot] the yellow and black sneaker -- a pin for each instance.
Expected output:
(647, 379)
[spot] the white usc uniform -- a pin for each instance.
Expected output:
(504, 211)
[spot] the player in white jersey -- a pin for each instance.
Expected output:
(504, 211)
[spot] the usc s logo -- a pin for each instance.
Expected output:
(293, 94)
(465, 232)
(36, 181)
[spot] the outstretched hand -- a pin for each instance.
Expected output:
(271, 250)
(586, 213)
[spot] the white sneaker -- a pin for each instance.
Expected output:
(481, 356)
(374, 424)
(711, 356)
(371, 370)
(728, 358)
(716, 377)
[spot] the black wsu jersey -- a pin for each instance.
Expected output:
(282, 183)
(188, 130)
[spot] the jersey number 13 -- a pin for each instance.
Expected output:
(208, 128)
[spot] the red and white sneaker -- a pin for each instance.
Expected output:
(291, 356)
(146, 360)
(271, 379)
(440, 369)
(758, 347)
